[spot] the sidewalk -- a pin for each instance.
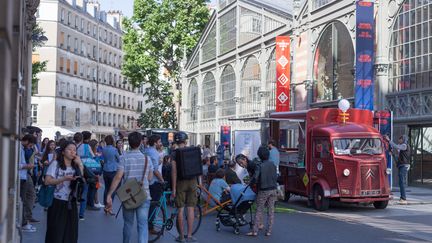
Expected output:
(415, 195)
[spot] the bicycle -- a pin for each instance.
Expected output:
(164, 218)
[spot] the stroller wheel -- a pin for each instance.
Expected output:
(236, 230)
(217, 225)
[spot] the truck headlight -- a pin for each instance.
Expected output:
(388, 171)
(346, 172)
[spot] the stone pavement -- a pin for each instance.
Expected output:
(415, 195)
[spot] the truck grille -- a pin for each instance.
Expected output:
(370, 180)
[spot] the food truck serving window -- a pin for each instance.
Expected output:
(351, 146)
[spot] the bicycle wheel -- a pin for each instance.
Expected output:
(158, 219)
(197, 220)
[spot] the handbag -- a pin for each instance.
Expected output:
(91, 163)
(131, 193)
(46, 193)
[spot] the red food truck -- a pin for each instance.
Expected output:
(327, 154)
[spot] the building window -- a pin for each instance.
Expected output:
(88, 27)
(68, 64)
(228, 31)
(75, 90)
(69, 18)
(63, 115)
(67, 90)
(77, 117)
(109, 98)
(62, 15)
(99, 119)
(228, 81)
(61, 63)
(61, 88)
(114, 120)
(193, 99)
(93, 118)
(209, 87)
(94, 31)
(82, 24)
(88, 94)
(94, 96)
(250, 25)
(76, 21)
(75, 71)
(411, 52)
(68, 42)
(109, 119)
(334, 64)
(81, 92)
(34, 112)
(250, 87)
(271, 82)
(76, 45)
(83, 48)
(62, 39)
(104, 118)
(208, 48)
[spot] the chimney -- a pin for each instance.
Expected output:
(114, 18)
(93, 8)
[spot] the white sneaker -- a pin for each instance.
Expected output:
(99, 205)
(28, 228)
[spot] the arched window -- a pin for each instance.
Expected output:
(250, 87)
(193, 99)
(208, 91)
(271, 82)
(334, 64)
(410, 48)
(228, 81)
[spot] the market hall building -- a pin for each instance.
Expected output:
(231, 74)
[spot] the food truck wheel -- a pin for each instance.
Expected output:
(380, 204)
(236, 230)
(321, 202)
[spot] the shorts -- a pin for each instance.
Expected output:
(186, 193)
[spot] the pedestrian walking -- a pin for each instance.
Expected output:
(274, 154)
(132, 165)
(265, 177)
(403, 164)
(64, 173)
(27, 191)
(184, 192)
(93, 145)
(110, 167)
(157, 182)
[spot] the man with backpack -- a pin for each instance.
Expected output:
(184, 192)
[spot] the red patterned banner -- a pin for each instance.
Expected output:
(283, 73)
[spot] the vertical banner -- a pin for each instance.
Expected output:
(283, 73)
(364, 86)
(225, 136)
(383, 120)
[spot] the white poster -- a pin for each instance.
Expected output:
(247, 143)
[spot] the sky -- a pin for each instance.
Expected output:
(126, 6)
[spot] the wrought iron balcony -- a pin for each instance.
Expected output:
(411, 105)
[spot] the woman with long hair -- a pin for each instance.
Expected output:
(93, 145)
(119, 146)
(44, 143)
(64, 173)
(48, 156)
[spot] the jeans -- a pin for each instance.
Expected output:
(156, 191)
(108, 179)
(91, 194)
(142, 223)
(403, 172)
(28, 196)
(83, 202)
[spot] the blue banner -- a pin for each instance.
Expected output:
(383, 119)
(364, 86)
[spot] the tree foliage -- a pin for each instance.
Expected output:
(154, 43)
(37, 67)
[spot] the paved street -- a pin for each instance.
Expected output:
(341, 223)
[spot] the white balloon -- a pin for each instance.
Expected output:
(344, 105)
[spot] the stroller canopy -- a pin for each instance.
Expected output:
(241, 193)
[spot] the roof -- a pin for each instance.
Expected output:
(281, 7)
(348, 129)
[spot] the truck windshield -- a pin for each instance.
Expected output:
(351, 146)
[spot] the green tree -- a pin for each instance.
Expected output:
(37, 67)
(155, 39)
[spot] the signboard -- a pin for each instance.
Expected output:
(247, 143)
(225, 136)
(283, 73)
(364, 86)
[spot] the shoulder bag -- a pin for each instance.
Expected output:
(46, 192)
(90, 162)
(131, 193)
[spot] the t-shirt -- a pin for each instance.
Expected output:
(217, 187)
(132, 163)
(63, 189)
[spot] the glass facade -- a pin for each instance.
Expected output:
(208, 49)
(320, 3)
(193, 99)
(250, 25)
(271, 24)
(228, 31)
(334, 64)
(209, 95)
(411, 47)
(228, 84)
(271, 82)
(250, 87)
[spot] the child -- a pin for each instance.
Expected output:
(219, 189)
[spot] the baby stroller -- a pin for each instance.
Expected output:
(232, 215)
